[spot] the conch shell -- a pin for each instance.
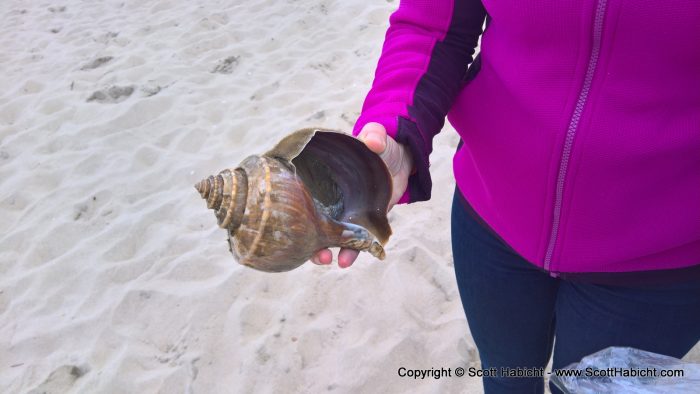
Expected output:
(315, 189)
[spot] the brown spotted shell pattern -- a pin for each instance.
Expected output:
(315, 189)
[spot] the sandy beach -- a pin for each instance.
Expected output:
(114, 277)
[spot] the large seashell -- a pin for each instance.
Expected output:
(314, 189)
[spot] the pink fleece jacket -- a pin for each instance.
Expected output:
(580, 122)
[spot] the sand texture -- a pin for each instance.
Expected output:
(113, 275)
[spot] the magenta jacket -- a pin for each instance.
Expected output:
(580, 122)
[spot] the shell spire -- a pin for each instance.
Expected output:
(226, 194)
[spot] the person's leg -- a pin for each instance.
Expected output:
(663, 319)
(509, 304)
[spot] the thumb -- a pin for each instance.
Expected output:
(374, 136)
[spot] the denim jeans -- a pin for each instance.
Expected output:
(515, 311)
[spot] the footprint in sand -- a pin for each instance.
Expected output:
(226, 66)
(114, 94)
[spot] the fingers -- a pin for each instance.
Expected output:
(346, 257)
(322, 257)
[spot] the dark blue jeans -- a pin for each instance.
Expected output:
(515, 311)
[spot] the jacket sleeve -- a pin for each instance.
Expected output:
(427, 50)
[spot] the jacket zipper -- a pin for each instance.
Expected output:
(571, 131)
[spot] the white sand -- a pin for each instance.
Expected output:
(113, 275)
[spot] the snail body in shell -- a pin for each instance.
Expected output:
(315, 189)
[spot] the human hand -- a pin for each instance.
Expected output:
(398, 160)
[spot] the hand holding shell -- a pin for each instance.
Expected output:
(315, 189)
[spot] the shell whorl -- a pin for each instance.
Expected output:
(226, 193)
